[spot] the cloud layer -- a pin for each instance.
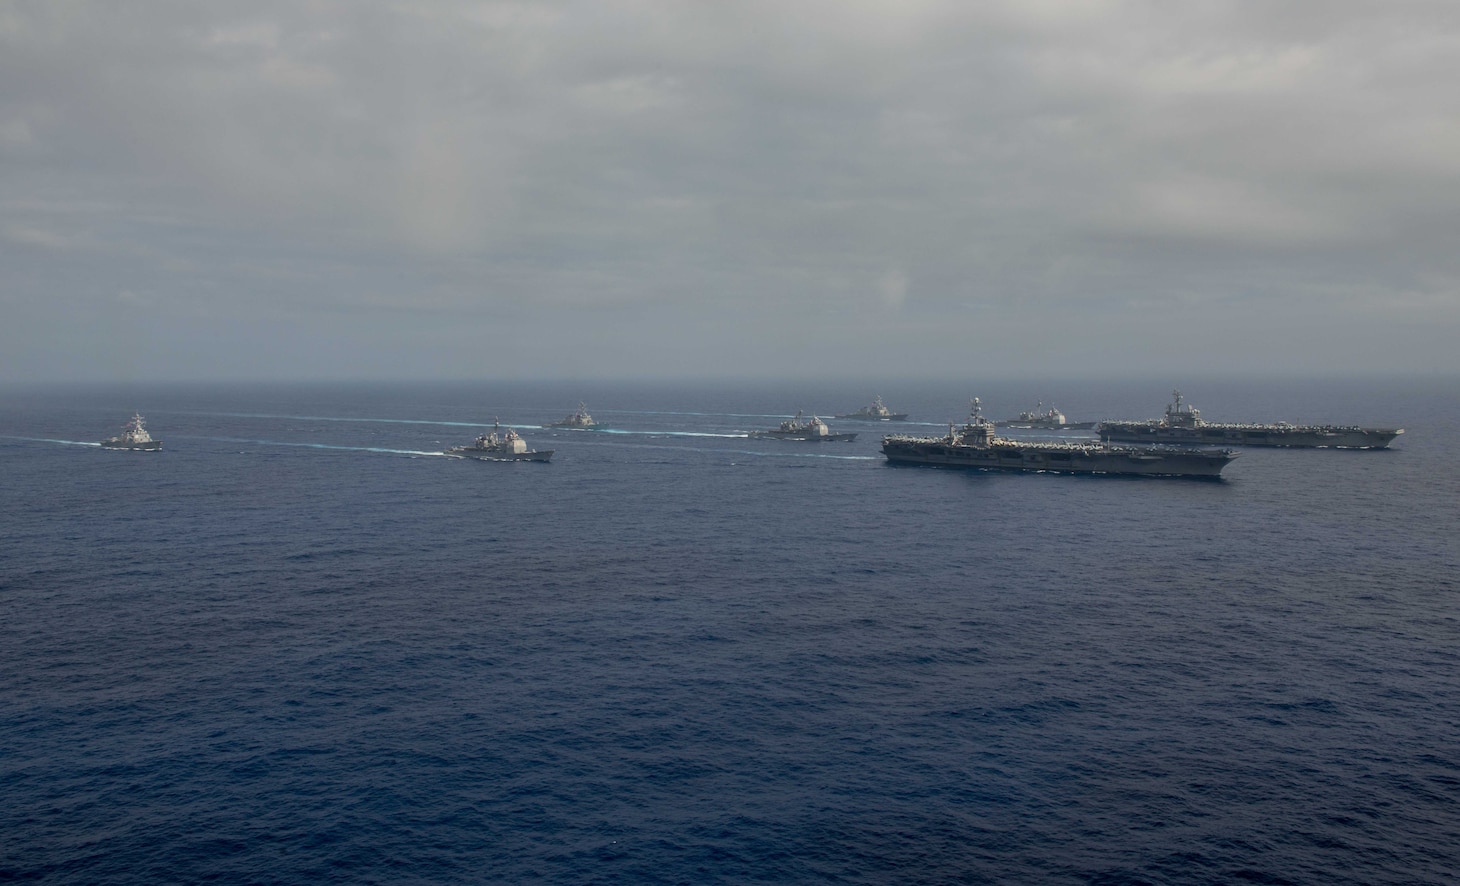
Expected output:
(634, 188)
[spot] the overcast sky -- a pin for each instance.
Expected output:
(576, 189)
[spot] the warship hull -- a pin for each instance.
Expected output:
(865, 416)
(1250, 435)
(1037, 425)
(805, 436)
(1007, 456)
(487, 455)
(149, 446)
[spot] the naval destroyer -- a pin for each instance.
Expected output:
(814, 430)
(975, 446)
(134, 436)
(1183, 424)
(580, 419)
(500, 445)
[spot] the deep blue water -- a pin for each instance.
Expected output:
(298, 647)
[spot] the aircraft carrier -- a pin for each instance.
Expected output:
(975, 446)
(1183, 424)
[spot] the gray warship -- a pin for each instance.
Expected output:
(975, 446)
(798, 428)
(500, 445)
(134, 436)
(876, 412)
(1043, 419)
(1183, 424)
(580, 419)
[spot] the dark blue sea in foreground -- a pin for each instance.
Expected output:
(300, 646)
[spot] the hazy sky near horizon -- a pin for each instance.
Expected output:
(576, 189)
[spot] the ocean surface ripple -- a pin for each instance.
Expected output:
(295, 647)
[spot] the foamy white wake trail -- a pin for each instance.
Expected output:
(750, 452)
(642, 433)
(823, 455)
(696, 414)
(382, 421)
(323, 446)
(478, 424)
(49, 440)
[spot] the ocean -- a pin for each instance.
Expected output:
(300, 646)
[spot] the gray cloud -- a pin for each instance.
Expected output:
(411, 189)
